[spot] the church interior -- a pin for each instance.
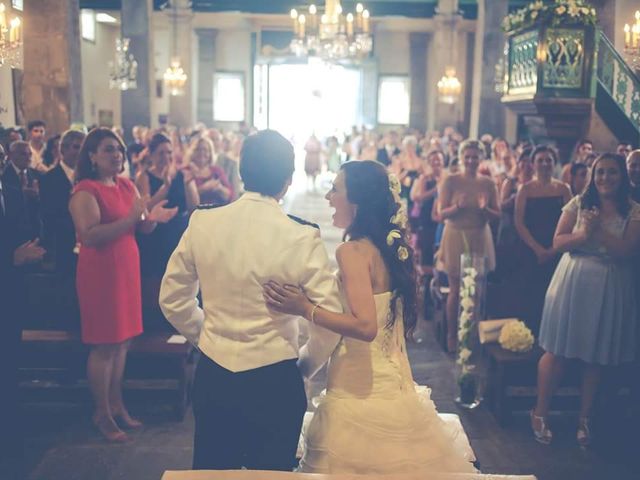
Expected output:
(511, 129)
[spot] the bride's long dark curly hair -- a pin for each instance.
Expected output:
(368, 188)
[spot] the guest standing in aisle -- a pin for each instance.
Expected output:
(107, 209)
(538, 207)
(590, 307)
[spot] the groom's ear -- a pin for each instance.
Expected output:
(286, 186)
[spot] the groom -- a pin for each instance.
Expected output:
(248, 395)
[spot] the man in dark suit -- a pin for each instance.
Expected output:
(18, 175)
(59, 237)
(15, 252)
(389, 149)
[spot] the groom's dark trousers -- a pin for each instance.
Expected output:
(247, 419)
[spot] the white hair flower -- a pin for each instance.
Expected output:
(403, 253)
(392, 235)
(394, 184)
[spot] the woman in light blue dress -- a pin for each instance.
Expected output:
(589, 310)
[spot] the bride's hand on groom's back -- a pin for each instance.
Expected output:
(286, 299)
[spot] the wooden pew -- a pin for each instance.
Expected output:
(512, 378)
(56, 360)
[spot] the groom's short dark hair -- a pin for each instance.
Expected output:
(266, 162)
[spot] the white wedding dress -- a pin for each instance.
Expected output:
(373, 419)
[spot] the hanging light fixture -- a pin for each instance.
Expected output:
(632, 42)
(449, 87)
(123, 71)
(175, 77)
(332, 35)
(10, 39)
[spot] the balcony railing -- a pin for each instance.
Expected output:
(549, 61)
(618, 80)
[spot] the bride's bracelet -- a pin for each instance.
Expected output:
(313, 313)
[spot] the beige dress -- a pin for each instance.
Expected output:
(466, 232)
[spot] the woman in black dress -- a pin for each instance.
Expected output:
(162, 181)
(538, 207)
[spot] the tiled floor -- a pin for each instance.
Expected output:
(61, 444)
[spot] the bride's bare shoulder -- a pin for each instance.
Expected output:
(354, 249)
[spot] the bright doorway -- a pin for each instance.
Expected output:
(300, 99)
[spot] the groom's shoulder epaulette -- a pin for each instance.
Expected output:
(207, 206)
(302, 221)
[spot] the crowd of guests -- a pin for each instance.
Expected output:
(562, 243)
(83, 206)
(82, 202)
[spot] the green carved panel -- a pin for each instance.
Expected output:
(622, 85)
(523, 71)
(635, 108)
(564, 58)
(618, 80)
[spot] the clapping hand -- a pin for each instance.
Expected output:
(159, 213)
(462, 201)
(168, 175)
(286, 299)
(28, 252)
(590, 220)
(138, 208)
(188, 175)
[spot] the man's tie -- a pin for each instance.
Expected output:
(24, 181)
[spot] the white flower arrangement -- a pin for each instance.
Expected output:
(467, 306)
(562, 12)
(515, 336)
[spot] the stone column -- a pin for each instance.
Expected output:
(52, 83)
(180, 106)
(206, 68)
(418, 73)
(137, 104)
(487, 112)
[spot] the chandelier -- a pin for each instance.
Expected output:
(123, 72)
(10, 40)
(333, 36)
(174, 77)
(632, 42)
(449, 87)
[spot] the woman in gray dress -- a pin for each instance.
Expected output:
(589, 310)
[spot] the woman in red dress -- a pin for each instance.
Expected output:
(106, 211)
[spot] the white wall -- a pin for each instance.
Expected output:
(392, 52)
(95, 74)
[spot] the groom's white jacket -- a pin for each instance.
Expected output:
(229, 253)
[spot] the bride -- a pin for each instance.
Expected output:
(372, 419)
